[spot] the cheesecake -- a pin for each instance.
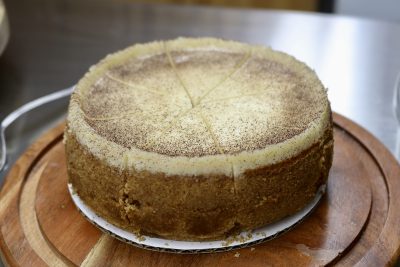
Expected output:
(198, 138)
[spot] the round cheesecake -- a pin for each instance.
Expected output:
(198, 139)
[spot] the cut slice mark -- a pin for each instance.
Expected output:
(217, 144)
(173, 66)
(235, 69)
(211, 132)
(123, 191)
(234, 176)
(134, 86)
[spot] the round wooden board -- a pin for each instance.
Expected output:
(356, 223)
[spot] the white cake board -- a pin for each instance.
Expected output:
(242, 240)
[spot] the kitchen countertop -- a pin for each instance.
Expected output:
(53, 43)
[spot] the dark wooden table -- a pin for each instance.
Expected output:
(54, 42)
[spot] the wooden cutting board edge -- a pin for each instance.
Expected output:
(31, 156)
(389, 238)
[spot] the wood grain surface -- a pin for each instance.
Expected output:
(356, 223)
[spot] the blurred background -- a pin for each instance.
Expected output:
(387, 10)
(384, 9)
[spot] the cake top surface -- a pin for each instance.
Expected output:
(204, 97)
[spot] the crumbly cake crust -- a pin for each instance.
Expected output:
(205, 207)
(217, 136)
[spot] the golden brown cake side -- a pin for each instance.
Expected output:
(203, 207)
